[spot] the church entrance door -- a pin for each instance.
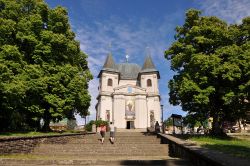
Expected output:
(130, 125)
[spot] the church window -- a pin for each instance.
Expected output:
(149, 83)
(129, 89)
(110, 82)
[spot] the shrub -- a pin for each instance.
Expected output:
(88, 127)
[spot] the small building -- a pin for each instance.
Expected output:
(129, 94)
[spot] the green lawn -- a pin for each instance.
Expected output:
(23, 134)
(234, 146)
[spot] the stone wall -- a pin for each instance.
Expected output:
(12, 145)
(197, 155)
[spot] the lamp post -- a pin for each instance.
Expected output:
(162, 123)
(161, 113)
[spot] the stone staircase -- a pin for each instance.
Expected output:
(130, 148)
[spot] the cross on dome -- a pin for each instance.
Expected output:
(110, 48)
(127, 56)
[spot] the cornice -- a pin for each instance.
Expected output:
(128, 94)
(129, 85)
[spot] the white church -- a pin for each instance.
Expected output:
(129, 94)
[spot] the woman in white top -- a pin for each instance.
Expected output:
(112, 132)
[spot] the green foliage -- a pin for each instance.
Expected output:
(212, 63)
(101, 122)
(168, 122)
(195, 120)
(43, 73)
(88, 127)
(71, 124)
(98, 123)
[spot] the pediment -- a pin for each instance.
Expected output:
(129, 89)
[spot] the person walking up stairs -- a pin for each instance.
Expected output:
(103, 132)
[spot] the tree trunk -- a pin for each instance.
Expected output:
(46, 119)
(216, 126)
(46, 127)
(239, 123)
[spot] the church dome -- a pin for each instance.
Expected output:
(128, 70)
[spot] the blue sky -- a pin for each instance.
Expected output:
(133, 25)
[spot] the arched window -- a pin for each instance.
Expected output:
(110, 82)
(149, 83)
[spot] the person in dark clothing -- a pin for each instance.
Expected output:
(157, 127)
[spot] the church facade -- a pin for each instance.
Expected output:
(129, 94)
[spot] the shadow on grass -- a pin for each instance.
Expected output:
(235, 150)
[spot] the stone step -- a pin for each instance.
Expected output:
(96, 149)
(98, 145)
(31, 162)
(123, 137)
(110, 151)
(102, 147)
(134, 134)
(131, 152)
(129, 149)
(118, 141)
(97, 154)
(132, 130)
(119, 136)
(101, 150)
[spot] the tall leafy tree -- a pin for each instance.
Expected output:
(43, 73)
(212, 61)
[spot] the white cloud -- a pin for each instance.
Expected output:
(230, 10)
(93, 89)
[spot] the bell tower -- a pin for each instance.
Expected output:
(108, 80)
(148, 78)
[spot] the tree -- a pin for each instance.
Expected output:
(168, 122)
(43, 73)
(212, 61)
(195, 120)
(85, 116)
